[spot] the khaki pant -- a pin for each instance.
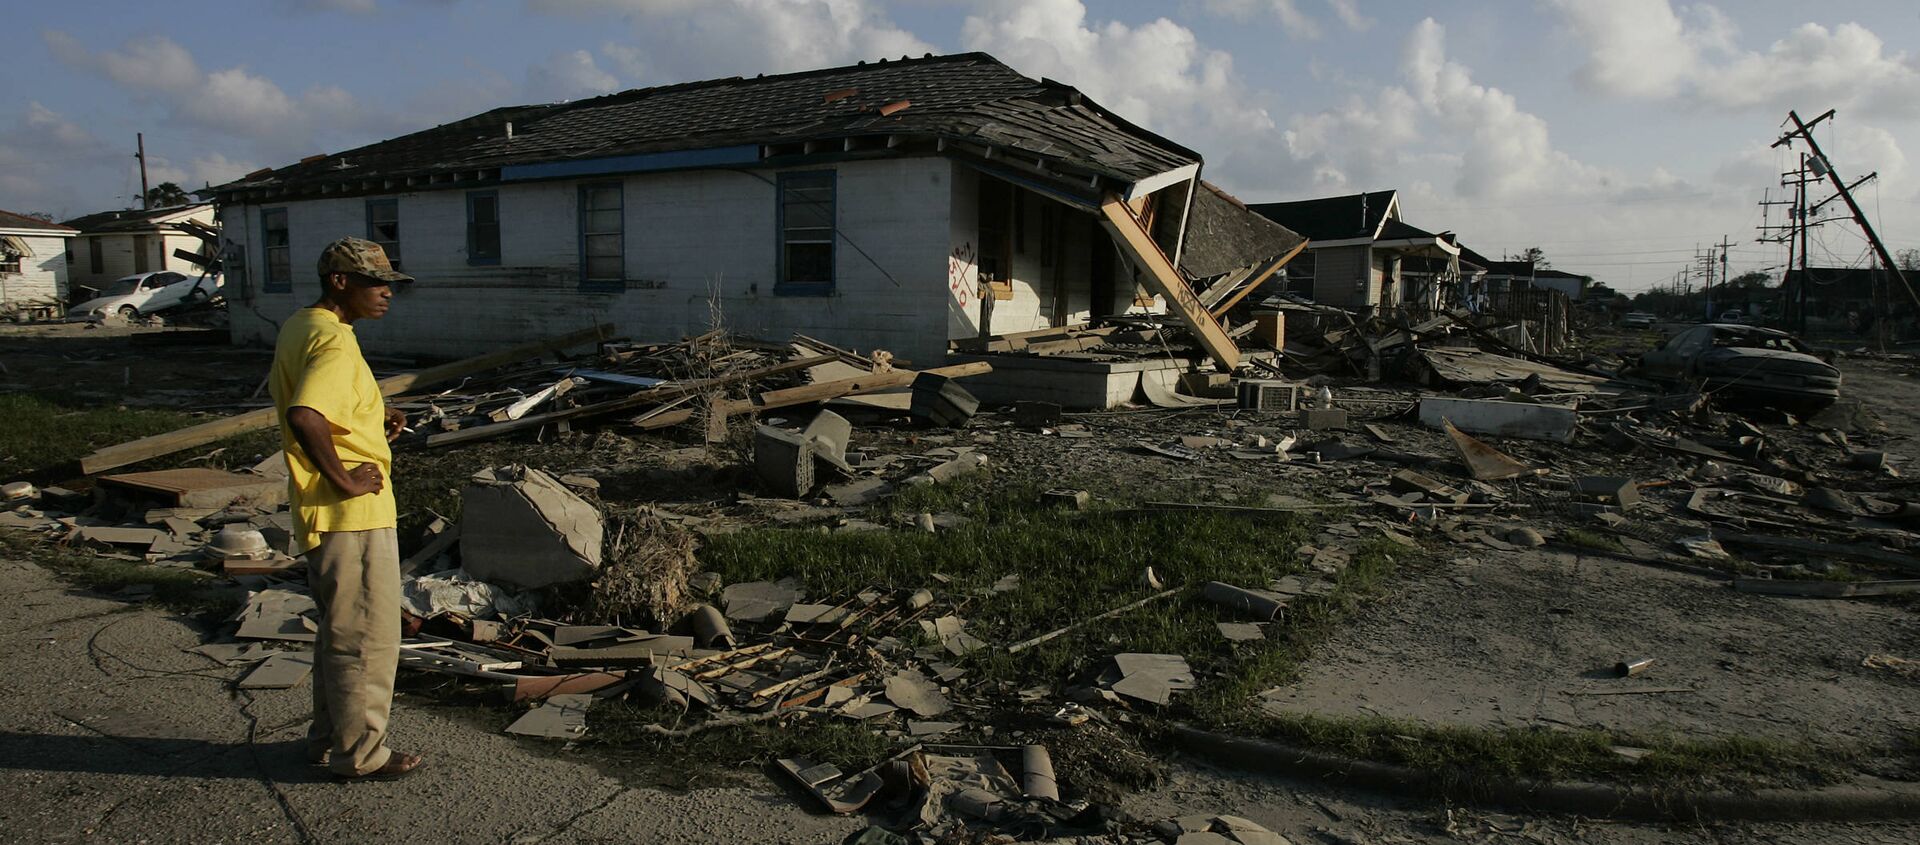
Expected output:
(355, 578)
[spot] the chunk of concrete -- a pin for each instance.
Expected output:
(942, 401)
(1501, 418)
(1321, 419)
(521, 527)
(783, 460)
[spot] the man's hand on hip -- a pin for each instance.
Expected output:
(362, 480)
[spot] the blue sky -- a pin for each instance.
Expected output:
(1615, 134)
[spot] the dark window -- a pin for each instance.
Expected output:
(95, 262)
(483, 227)
(277, 249)
(383, 227)
(9, 260)
(806, 232)
(142, 244)
(603, 245)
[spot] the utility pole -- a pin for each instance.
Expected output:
(1821, 165)
(140, 143)
(1724, 278)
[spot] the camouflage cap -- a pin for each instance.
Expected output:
(357, 255)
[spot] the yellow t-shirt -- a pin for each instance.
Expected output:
(317, 364)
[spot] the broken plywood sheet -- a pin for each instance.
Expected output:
(910, 690)
(559, 717)
(1483, 462)
(754, 601)
(200, 487)
(278, 614)
(283, 670)
(1152, 678)
(1461, 366)
(894, 400)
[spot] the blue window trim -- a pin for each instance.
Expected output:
(782, 287)
(472, 260)
(580, 217)
(267, 283)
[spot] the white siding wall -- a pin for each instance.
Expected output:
(42, 276)
(694, 241)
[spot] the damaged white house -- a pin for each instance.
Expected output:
(33, 263)
(898, 205)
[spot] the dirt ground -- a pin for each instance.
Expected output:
(1530, 639)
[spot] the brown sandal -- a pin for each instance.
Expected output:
(398, 766)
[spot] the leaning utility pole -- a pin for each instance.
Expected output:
(140, 143)
(1821, 165)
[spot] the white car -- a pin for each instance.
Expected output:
(146, 293)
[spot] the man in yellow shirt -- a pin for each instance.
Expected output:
(336, 428)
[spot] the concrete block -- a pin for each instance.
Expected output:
(1607, 490)
(522, 528)
(1075, 499)
(1320, 419)
(829, 433)
(942, 401)
(1501, 418)
(783, 460)
(1207, 385)
(1030, 414)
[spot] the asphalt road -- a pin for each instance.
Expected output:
(111, 733)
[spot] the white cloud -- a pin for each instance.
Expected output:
(1295, 22)
(152, 63)
(210, 169)
(1645, 49)
(679, 40)
(40, 152)
(569, 75)
(1348, 11)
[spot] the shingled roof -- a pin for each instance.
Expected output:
(131, 220)
(963, 102)
(1223, 236)
(20, 222)
(1331, 218)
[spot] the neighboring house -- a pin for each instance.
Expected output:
(33, 261)
(893, 204)
(1835, 293)
(1519, 275)
(1357, 250)
(116, 244)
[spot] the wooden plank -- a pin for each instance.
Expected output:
(135, 451)
(1256, 280)
(720, 409)
(658, 395)
(1164, 279)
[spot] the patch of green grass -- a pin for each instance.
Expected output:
(1591, 540)
(1470, 754)
(38, 434)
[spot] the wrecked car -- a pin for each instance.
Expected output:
(141, 294)
(1748, 362)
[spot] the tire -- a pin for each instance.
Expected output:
(129, 313)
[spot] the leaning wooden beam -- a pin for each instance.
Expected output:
(1056, 633)
(651, 396)
(1164, 279)
(135, 451)
(720, 409)
(1256, 280)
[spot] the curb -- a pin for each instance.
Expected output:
(1879, 801)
